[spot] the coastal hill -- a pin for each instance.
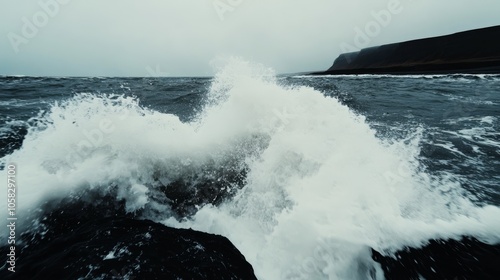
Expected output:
(475, 52)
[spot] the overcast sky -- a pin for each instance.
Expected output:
(182, 37)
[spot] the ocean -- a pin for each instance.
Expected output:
(305, 175)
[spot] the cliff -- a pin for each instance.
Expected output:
(475, 52)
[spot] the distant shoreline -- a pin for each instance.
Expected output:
(469, 52)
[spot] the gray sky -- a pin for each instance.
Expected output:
(182, 37)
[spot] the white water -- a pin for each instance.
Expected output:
(321, 188)
(449, 77)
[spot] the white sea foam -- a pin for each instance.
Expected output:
(447, 77)
(321, 188)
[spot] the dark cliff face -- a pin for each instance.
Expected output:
(476, 52)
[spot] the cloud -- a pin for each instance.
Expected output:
(125, 37)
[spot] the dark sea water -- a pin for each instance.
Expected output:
(304, 174)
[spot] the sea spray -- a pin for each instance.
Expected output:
(319, 189)
(322, 185)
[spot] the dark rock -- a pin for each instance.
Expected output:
(468, 259)
(187, 194)
(475, 52)
(80, 240)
